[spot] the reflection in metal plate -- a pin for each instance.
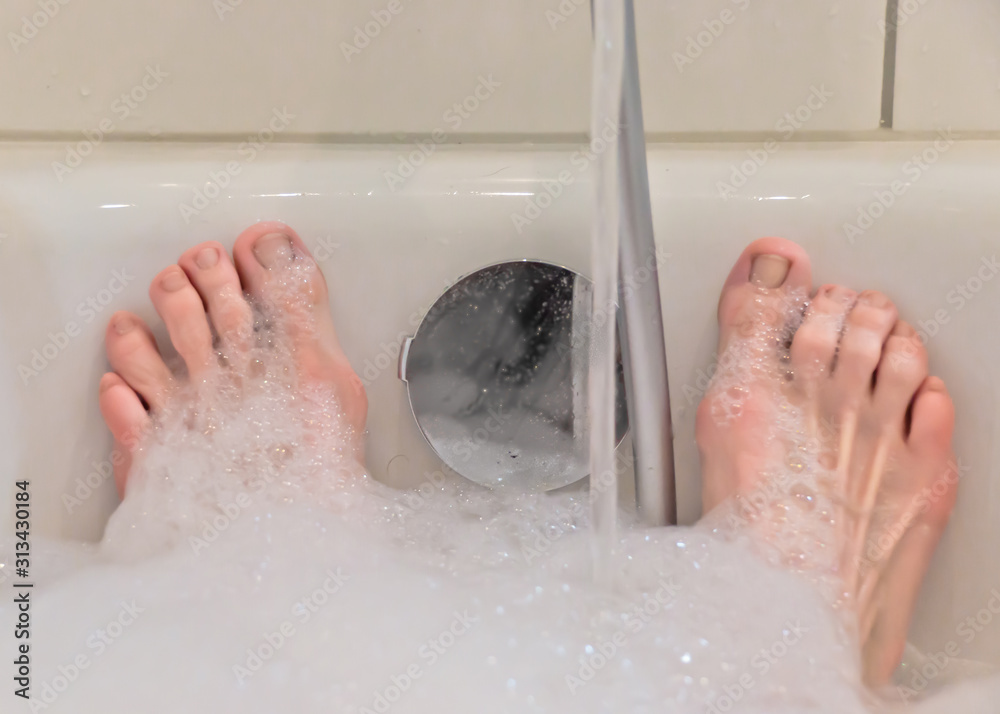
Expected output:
(497, 376)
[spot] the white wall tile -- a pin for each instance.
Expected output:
(228, 70)
(757, 60)
(948, 65)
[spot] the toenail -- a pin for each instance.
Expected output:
(935, 384)
(123, 324)
(107, 382)
(173, 281)
(875, 299)
(769, 271)
(273, 250)
(840, 294)
(207, 258)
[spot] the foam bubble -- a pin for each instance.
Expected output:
(255, 567)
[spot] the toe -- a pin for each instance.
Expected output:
(183, 312)
(266, 251)
(213, 275)
(894, 602)
(867, 327)
(901, 371)
(122, 409)
(769, 270)
(127, 420)
(932, 421)
(815, 343)
(277, 269)
(932, 486)
(133, 355)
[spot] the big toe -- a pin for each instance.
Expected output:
(276, 268)
(755, 297)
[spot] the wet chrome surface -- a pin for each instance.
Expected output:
(497, 376)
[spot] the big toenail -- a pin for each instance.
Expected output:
(769, 271)
(273, 250)
(207, 258)
(173, 281)
(123, 324)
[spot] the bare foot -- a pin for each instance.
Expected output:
(823, 430)
(204, 302)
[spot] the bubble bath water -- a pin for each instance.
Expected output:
(254, 566)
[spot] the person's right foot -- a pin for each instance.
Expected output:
(204, 302)
(832, 411)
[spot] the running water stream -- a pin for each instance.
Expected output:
(606, 92)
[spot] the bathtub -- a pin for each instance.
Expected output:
(916, 219)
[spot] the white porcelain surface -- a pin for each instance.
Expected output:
(225, 70)
(388, 255)
(948, 66)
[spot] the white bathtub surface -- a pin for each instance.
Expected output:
(74, 250)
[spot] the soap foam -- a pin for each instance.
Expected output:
(255, 567)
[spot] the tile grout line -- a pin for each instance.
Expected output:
(889, 64)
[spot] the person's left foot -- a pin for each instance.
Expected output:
(829, 425)
(204, 302)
